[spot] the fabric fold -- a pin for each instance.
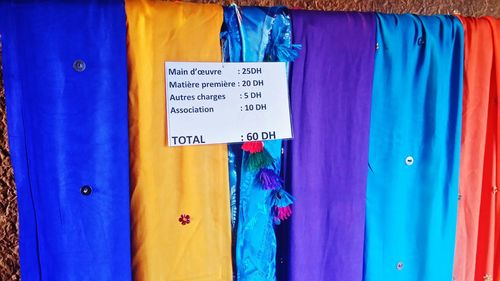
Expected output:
(66, 89)
(478, 227)
(180, 208)
(331, 86)
(414, 155)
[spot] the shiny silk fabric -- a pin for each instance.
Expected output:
(248, 36)
(331, 89)
(412, 189)
(170, 181)
(478, 226)
(68, 129)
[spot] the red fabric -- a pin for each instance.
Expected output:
(478, 226)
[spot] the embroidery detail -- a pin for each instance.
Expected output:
(184, 219)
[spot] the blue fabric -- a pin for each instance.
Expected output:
(411, 203)
(68, 129)
(254, 34)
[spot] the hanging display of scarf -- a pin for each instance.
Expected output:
(478, 223)
(255, 34)
(181, 226)
(66, 88)
(412, 190)
(394, 163)
(330, 101)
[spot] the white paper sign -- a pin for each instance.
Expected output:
(226, 102)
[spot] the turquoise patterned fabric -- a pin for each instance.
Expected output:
(412, 188)
(254, 34)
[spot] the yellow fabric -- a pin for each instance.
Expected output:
(166, 181)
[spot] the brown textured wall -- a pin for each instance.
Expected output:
(474, 8)
(9, 259)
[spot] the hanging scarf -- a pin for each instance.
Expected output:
(66, 89)
(257, 34)
(478, 223)
(180, 203)
(412, 189)
(330, 100)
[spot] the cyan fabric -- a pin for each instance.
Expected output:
(331, 87)
(68, 136)
(412, 189)
(253, 34)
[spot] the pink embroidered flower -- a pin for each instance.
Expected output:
(184, 219)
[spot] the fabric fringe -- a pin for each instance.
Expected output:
(258, 160)
(269, 179)
(281, 202)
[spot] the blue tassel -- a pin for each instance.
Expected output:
(281, 202)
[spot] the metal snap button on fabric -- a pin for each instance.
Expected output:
(377, 46)
(79, 65)
(409, 161)
(420, 41)
(399, 266)
(86, 190)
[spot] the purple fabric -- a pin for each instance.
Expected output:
(331, 89)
